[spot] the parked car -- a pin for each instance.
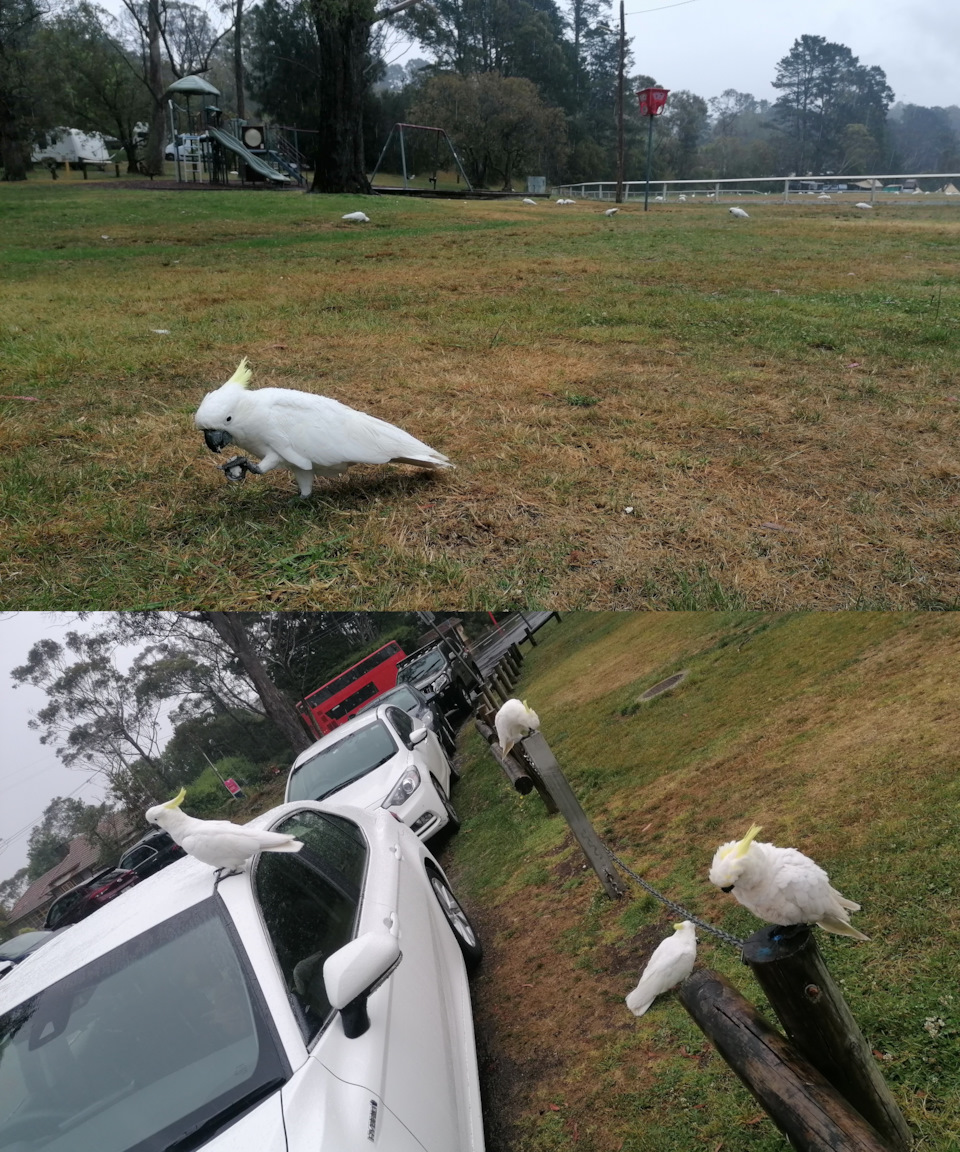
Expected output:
(151, 853)
(443, 672)
(188, 147)
(79, 902)
(19, 948)
(316, 1002)
(380, 759)
(428, 713)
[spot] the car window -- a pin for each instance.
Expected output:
(309, 904)
(161, 1037)
(403, 723)
(341, 762)
(425, 665)
(137, 856)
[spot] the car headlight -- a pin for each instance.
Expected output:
(408, 783)
(440, 683)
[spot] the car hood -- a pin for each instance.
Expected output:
(261, 1128)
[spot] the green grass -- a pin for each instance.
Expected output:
(716, 376)
(836, 733)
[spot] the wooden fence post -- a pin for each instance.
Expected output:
(816, 1018)
(809, 1111)
(517, 775)
(596, 852)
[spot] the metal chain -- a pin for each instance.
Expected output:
(726, 937)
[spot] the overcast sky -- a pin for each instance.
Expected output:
(30, 773)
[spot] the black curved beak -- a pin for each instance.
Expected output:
(729, 888)
(217, 441)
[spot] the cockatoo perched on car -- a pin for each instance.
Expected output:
(309, 434)
(739, 212)
(781, 885)
(217, 842)
(671, 962)
(514, 721)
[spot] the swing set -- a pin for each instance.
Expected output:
(439, 137)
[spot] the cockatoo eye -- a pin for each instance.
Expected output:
(229, 418)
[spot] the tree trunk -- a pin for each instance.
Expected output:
(13, 152)
(238, 60)
(230, 628)
(343, 31)
(153, 160)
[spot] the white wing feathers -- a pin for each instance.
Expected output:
(315, 431)
(672, 961)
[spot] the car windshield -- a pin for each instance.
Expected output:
(402, 697)
(340, 763)
(154, 1046)
(21, 945)
(426, 665)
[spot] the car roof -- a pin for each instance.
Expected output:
(137, 909)
(354, 724)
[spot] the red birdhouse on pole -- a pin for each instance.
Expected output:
(652, 103)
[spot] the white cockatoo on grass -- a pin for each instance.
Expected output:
(671, 962)
(309, 434)
(781, 885)
(611, 211)
(863, 204)
(527, 200)
(356, 217)
(217, 842)
(739, 212)
(514, 721)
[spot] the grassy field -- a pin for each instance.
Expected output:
(674, 409)
(835, 732)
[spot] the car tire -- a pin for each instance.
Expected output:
(463, 931)
(453, 820)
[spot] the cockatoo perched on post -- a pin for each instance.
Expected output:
(217, 842)
(514, 720)
(671, 962)
(781, 885)
(309, 434)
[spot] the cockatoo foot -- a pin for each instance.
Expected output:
(237, 467)
(223, 873)
(788, 931)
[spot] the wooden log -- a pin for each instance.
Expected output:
(596, 852)
(516, 654)
(517, 774)
(806, 1108)
(791, 970)
(520, 755)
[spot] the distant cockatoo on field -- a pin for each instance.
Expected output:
(781, 885)
(527, 200)
(863, 204)
(514, 721)
(671, 962)
(217, 842)
(357, 217)
(740, 213)
(611, 211)
(309, 434)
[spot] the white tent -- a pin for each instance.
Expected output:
(73, 146)
(949, 189)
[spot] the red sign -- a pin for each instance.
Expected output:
(231, 786)
(652, 100)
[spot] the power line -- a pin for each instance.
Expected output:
(642, 11)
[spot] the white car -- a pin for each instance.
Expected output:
(380, 759)
(316, 1002)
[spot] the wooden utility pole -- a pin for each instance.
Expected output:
(620, 82)
(816, 1019)
(809, 1111)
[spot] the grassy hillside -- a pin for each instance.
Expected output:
(838, 734)
(677, 408)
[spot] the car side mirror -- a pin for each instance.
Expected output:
(417, 736)
(356, 970)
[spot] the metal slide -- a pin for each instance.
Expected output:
(232, 144)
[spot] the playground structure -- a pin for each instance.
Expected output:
(417, 150)
(209, 151)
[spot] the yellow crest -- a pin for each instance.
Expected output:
(242, 374)
(744, 846)
(177, 800)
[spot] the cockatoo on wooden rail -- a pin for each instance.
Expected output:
(739, 212)
(217, 842)
(514, 721)
(671, 962)
(781, 885)
(309, 434)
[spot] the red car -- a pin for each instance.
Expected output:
(87, 897)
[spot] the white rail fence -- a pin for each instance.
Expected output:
(877, 187)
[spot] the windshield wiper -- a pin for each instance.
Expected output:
(202, 1132)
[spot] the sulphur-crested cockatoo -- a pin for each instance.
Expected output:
(671, 962)
(863, 204)
(527, 200)
(740, 213)
(309, 434)
(514, 720)
(217, 842)
(357, 217)
(781, 885)
(611, 211)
